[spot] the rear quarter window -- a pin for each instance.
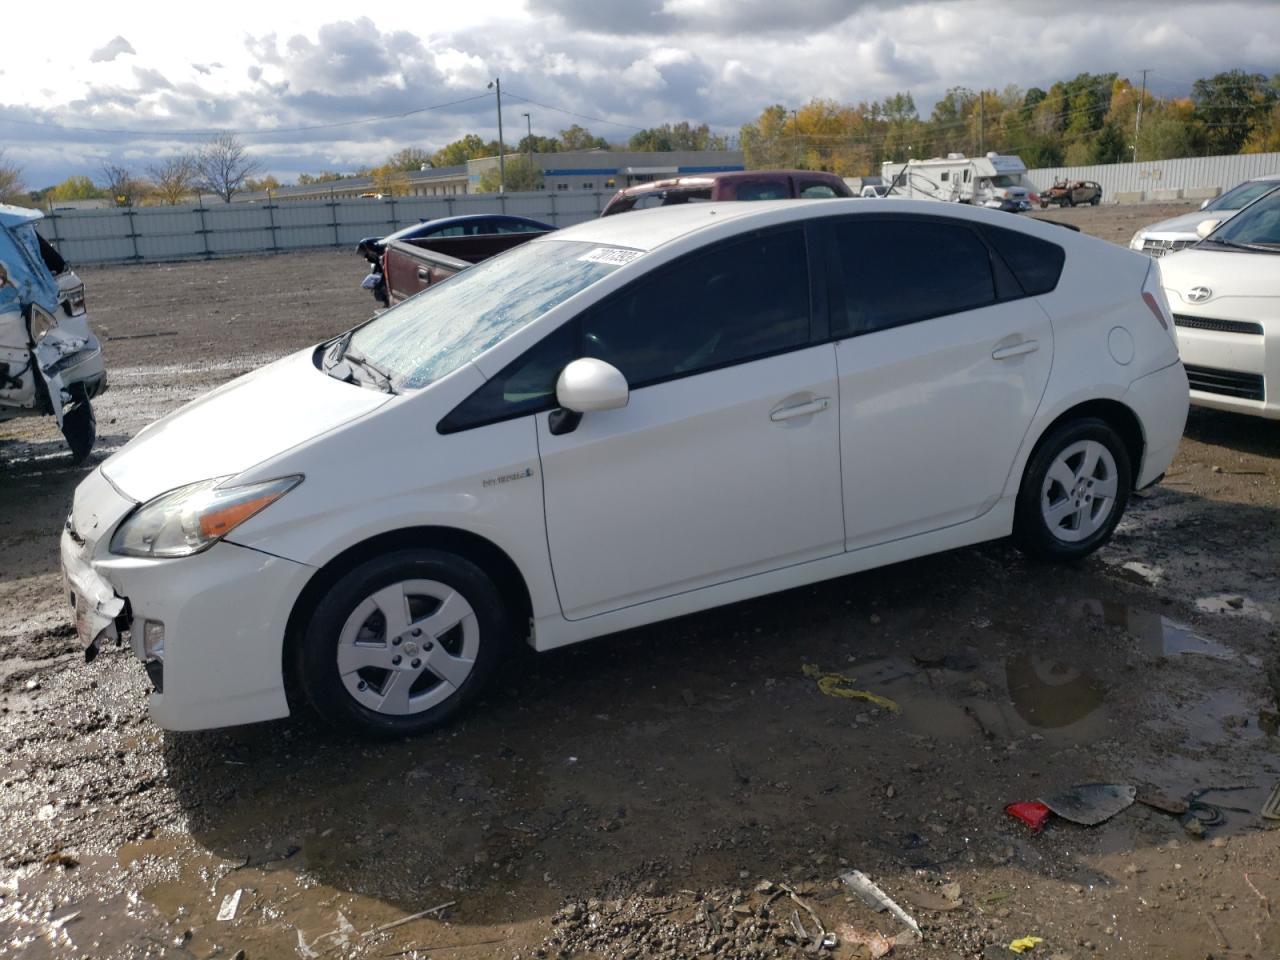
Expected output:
(1037, 264)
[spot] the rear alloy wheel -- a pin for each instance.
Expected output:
(1074, 491)
(402, 642)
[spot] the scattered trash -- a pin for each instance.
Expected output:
(1158, 802)
(838, 685)
(1194, 827)
(60, 859)
(877, 899)
(1266, 902)
(951, 891)
(877, 944)
(1023, 944)
(926, 900)
(1271, 809)
(1090, 804)
(1031, 812)
(230, 904)
(63, 921)
(303, 949)
(413, 916)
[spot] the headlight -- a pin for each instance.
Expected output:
(193, 518)
(1135, 242)
(41, 323)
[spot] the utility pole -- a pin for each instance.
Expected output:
(496, 85)
(1137, 120)
(528, 125)
(982, 125)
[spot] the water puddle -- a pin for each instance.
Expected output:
(1157, 636)
(1235, 605)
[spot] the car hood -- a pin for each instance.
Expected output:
(238, 425)
(1226, 274)
(1184, 226)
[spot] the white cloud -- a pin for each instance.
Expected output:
(112, 49)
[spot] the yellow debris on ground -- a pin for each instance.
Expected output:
(838, 685)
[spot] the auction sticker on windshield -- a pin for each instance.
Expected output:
(613, 255)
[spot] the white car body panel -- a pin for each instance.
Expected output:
(741, 492)
(689, 497)
(911, 395)
(1244, 288)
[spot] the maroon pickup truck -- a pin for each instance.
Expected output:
(437, 250)
(738, 185)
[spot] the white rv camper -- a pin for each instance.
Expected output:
(992, 181)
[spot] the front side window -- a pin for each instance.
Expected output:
(443, 327)
(1258, 226)
(741, 301)
(896, 272)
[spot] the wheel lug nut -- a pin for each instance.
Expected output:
(396, 660)
(417, 632)
(428, 645)
(362, 685)
(395, 642)
(417, 663)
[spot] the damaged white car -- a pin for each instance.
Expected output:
(50, 360)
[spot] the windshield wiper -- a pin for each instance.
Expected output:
(1236, 245)
(358, 359)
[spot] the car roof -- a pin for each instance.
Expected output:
(11, 216)
(649, 229)
(707, 179)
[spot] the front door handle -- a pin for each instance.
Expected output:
(424, 274)
(816, 405)
(1016, 350)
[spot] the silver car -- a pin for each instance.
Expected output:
(1178, 232)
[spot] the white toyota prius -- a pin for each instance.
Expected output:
(631, 419)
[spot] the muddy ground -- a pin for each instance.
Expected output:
(682, 790)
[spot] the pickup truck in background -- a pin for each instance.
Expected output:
(431, 251)
(737, 185)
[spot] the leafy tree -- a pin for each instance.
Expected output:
(269, 182)
(12, 189)
(75, 188)
(223, 165)
(325, 176)
(390, 180)
(580, 138)
(408, 160)
(519, 176)
(1230, 105)
(174, 179)
(460, 151)
(539, 144)
(680, 136)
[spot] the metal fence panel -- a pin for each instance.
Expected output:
(1165, 179)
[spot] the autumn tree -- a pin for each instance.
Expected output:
(390, 181)
(1230, 105)
(519, 176)
(75, 188)
(460, 151)
(120, 185)
(324, 176)
(262, 185)
(679, 136)
(173, 179)
(223, 165)
(12, 189)
(408, 160)
(580, 138)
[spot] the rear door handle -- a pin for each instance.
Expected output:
(1016, 350)
(816, 405)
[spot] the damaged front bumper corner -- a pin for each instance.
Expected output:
(99, 613)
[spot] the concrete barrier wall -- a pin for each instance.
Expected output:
(1191, 179)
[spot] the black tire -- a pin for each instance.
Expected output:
(1070, 202)
(1094, 201)
(1031, 531)
(316, 665)
(1044, 204)
(80, 428)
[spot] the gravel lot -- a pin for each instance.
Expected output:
(681, 790)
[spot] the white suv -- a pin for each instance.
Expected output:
(625, 421)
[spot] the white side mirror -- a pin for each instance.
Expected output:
(589, 385)
(1206, 227)
(1203, 204)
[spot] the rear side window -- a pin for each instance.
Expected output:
(759, 190)
(895, 272)
(813, 190)
(1036, 263)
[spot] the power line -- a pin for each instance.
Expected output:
(257, 132)
(580, 116)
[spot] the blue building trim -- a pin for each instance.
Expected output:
(583, 172)
(720, 169)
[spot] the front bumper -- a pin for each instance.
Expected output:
(1160, 401)
(224, 613)
(1234, 371)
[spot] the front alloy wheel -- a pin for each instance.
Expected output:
(1074, 491)
(400, 643)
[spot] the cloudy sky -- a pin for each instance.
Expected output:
(80, 82)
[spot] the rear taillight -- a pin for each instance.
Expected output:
(1153, 297)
